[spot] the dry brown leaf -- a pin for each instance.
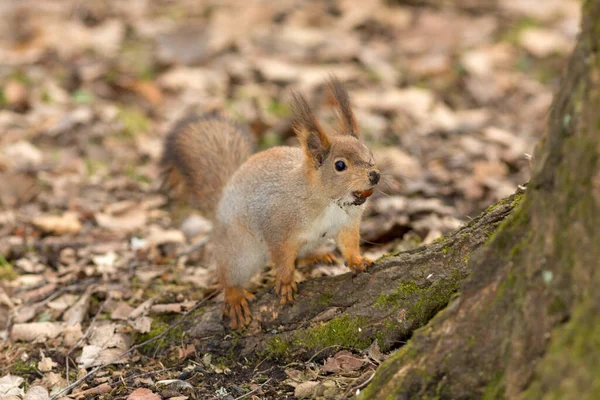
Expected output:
(39, 293)
(543, 42)
(76, 314)
(46, 364)
(37, 393)
(122, 311)
(22, 154)
(65, 224)
(63, 302)
(143, 394)
(36, 331)
(141, 324)
(123, 217)
(10, 385)
(71, 335)
(343, 361)
(100, 389)
(305, 389)
(166, 308)
(186, 351)
(148, 90)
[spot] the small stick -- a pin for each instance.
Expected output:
(137, 346)
(249, 393)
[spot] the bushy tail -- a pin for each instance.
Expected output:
(199, 157)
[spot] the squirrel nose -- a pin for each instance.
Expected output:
(374, 177)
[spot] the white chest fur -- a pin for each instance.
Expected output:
(328, 224)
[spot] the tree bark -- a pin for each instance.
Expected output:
(527, 323)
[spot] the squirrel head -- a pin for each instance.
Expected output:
(341, 162)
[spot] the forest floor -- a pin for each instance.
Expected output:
(94, 259)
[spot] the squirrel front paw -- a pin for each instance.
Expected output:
(237, 307)
(286, 290)
(359, 264)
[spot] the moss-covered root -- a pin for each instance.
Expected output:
(527, 324)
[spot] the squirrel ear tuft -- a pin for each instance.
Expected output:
(315, 142)
(338, 96)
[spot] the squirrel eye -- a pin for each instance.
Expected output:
(340, 166)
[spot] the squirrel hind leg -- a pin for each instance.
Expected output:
(237, 307)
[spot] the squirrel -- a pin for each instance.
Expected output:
(278, 205)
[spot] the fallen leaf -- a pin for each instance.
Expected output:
(543, 42)
(142, 309)
(374, 353)
(122, 221)
(141, 324)
(46, 364)
(305, 389)
(71, 335)
(100, 389)
(22, 154)
(36, 331)
(186, 351)
(65, 224)
(122, 311)
(78, 311)
(143, 394)
(106, 262)
(63, 302)
(37, 393)
(166, 308)
(10, 385)
(343, 361)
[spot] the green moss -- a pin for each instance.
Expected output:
(134, 122)
(434, 298)
(557, 306)
(278, 347)
(24, 368)
(133, 174)
(93, 167)
(159, 325)
(325, 299)
(570, 368)
(81, 96)
(7, 271)
(404, 291)
(279, 109)
(495, 389)
(343, 331)
(270, 139)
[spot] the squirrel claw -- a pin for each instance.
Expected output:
(237, 307)
(286, 291)
(359, 264)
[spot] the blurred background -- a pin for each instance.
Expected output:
(452, 95)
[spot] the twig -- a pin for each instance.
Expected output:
(362, 385)
(81, 339)
(137, 346)
(249, 393)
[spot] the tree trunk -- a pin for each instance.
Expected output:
(527, 323)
